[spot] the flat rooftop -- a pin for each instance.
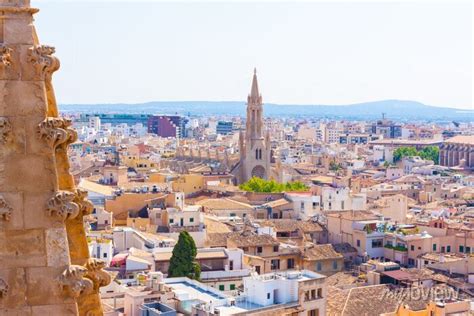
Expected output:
(186, 289)
(461, 139)
(241, 306)
(406, 142)
(302, 275)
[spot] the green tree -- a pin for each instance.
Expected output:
(260, 185)
(333, 166)
(182, 262)
(430, 153)
(296, 186)
(401, 152)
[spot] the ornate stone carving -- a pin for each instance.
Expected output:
(42, 58)
(20, 10)
(3, 288)
(62, 205)
(85, 206)
(5, 210)
(5, 56)
(96, 273)
(73, 282)
(55, 131)
(5, 129)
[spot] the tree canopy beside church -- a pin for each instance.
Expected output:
(182, 262)
(260, 185)
(429, 153)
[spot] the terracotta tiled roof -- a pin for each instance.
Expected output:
(290, 225)
(398, 275)
(96, 187)
(248, 239)
(224, 204)
(213, 225)
(341, 279)
(321, 252)
(355, 216)
(461, 139)
(380, 299)
(344, 248)
(420, 274)
(281, 225)
(335, 301)
(215, 254)
(309, 226)
(278, 203)
(369, 301)
(217, 239)
(410, 178)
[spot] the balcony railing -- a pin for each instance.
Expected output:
(396, 248)
(222, 274)
(178, 229)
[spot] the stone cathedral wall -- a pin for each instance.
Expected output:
(45, 267)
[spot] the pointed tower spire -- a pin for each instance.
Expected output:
(254, 90)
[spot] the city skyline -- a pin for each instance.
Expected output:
(241, 207)
(305, 53)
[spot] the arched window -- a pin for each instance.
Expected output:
(258, 171)
(256, 154)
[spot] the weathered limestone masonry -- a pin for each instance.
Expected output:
(45, 268)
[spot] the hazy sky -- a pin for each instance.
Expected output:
(305, 52)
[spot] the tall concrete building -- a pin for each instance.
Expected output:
(386, 128)
(224, 127)
(167, 125)
(254, 144)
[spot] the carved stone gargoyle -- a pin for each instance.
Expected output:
(96, 273)
(5, 129)
(62, 205)
(74, 283)
(56, 131)
(3, 289)
(5, 56)
(85, 206)
(5, 210)
(41, 56)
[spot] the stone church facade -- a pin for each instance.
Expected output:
(254, 143)
(457, 151)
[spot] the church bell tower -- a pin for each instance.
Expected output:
(255, 147)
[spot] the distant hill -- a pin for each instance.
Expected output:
(393, 109)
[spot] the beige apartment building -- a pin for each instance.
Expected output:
(322, 259)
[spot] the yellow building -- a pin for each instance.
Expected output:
(122, 204)
(189, 183)
(158, 177)
(138, 223)
(141, 164)
(455, 307)
(114, 175)
(322, 259)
